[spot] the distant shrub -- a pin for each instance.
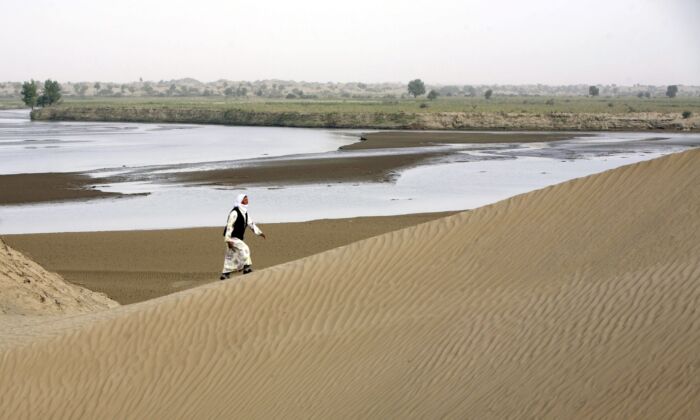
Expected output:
(549, 102)
(423, 105)
(610, 104)
(488, 94)
(433, 94)
(687, 114)
(291, 96)
(593, 90)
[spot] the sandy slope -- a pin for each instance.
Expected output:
(579, 300)
(37, 303)
(27, 289)
(133, 266)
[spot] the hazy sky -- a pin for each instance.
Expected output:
(440, 41)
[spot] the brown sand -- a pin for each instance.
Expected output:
(140, 265)
(401, 139)
(352, 169)
(575, 301)
(36, 188)
(26, 288)
(289, 172)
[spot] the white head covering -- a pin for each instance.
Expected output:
(239, 203)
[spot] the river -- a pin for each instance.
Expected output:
(471, 176)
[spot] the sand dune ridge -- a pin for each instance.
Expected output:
(577, 300)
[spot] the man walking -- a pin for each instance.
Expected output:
(237, 257)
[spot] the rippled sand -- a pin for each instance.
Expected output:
(575, 301)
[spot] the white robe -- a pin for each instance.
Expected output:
(238, 257)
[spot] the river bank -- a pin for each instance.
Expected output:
(316, 117)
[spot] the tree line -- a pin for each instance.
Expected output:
(671, 92)
(50, 94)
(417, 88)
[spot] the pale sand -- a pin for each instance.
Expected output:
(26, 288)
(34, 301)
(134, 266)
(576, 301)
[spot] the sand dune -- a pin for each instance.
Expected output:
(576, 301)
(35, 303)
(133, 266)
(27, 289)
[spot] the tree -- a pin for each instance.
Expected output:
(29, 93)
(416, 87)
(488, 94)
(433, 95)
(671, 91)
(51, 94)
(593, 90)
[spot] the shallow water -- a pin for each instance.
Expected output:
(473, 176)
(32, 147)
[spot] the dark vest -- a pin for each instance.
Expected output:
(239, 225)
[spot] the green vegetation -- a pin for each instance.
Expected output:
(29, 93)
(497, 104)
(369, 105)
(280, 89)
(593, 91)
(11, 103)
(464, 113)
(416, 87)
(50, 95)
(687, 114)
